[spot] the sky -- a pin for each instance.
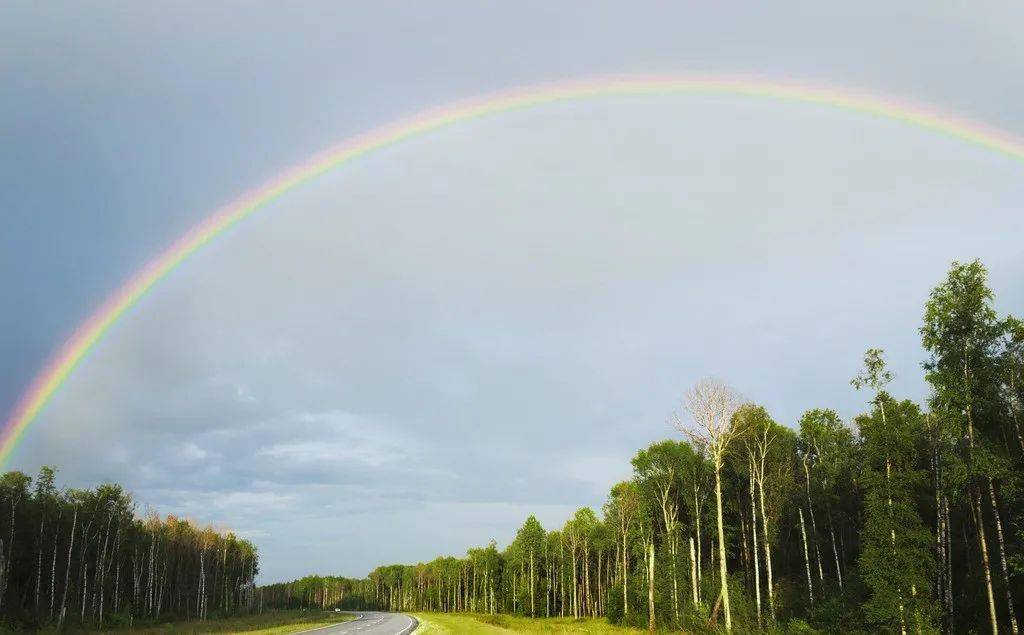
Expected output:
(407, 356)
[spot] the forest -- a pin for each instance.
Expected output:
(88, 559)
(905, 519)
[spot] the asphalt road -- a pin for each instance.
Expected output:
(371, 623)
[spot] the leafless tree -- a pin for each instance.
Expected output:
(711, 405)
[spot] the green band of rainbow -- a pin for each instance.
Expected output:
(92, 331)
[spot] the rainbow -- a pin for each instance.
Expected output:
(75, 349)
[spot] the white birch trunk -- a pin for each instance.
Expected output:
(650, 585)
(807, 558)
(67, 571)
(722, 566)
(693, 572)
(1002, 557)
(767, 542)
(753, 533)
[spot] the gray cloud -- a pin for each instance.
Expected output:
(407, 356)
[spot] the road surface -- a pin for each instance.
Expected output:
(370, 623)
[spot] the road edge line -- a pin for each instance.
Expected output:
(320, 628)
(411, 627)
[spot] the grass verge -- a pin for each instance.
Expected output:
(270, 623)
(472, 624)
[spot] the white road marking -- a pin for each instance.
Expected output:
(320, 628)
(369, 623)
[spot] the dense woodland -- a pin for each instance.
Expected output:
(86, 558)
(906, 519)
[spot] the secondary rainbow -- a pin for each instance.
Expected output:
(92, 331)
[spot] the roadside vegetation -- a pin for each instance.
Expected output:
(431, 623)
(267, 623)
(88, 559)
(905, 519)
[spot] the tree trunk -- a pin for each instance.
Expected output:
(979, 521)
(53, 566)
(723, 569)
(39, 557)
(949, 563)
(814, 523)
(1013, 413)
(101, 577)
(767, 543)
(67, 571)
(979, 518)
(832, 534)
(753, 533)
(650, 585)
(700, 555)
(625, 575)
(10, 553)
(675, 576)
(940, 535)
(807, 558)
(693, 572)
(743, 539)
(533, 610)
(976, 507)
(1002, 557)
(575, 594)
(117, 570)
(892, 538)
(589, 603)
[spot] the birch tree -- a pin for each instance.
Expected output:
(961, 333)
(621, 511)
(658, 469)
(711, 405)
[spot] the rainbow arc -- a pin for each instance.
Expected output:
(88, 334)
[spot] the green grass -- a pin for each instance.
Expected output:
(439, 623)
(271, 623)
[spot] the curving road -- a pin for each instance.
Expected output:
(370, 623)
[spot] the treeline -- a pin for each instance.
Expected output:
(908, 520)
(84, 558)
(322, 592)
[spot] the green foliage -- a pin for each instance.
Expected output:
(800, 627)
(896, 559)
(614, 607)
(962, 334)
(85, 558)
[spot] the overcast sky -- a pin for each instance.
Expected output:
(407, 356)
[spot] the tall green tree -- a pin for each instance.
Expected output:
(961, 333)
(621, 513)
(1013, 376)
(896, 559)
(658, 470)
(530, 541)
(827, 452)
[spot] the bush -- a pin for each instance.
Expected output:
(614, 605)
(800, 627)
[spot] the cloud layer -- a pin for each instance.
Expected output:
(408, 356)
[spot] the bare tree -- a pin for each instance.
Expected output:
(711, 405)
